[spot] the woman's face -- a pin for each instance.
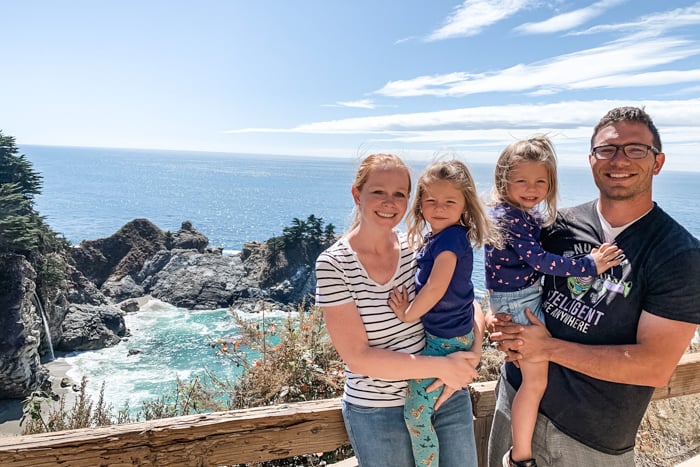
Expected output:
(383, 199)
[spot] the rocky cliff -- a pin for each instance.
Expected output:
(86, 310)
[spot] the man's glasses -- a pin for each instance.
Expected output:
(631, 151)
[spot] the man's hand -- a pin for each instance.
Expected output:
(520, 342)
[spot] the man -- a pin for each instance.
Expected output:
(610, 339)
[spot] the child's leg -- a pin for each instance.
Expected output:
(417, 413)
(419, 405)
(525, 407)
(527, 400)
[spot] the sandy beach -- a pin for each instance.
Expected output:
(11, 409)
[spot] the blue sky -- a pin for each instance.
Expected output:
(333, 78)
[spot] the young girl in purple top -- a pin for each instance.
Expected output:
(525, 196)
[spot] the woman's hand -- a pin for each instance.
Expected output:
(459, 370)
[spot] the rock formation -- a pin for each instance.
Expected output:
(85, 312)
(21, 336)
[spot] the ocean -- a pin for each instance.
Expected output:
(89, 193)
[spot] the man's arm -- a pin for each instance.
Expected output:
(650, 362)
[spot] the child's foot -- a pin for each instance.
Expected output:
(509, 462)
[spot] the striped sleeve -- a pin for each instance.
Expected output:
(332, 276)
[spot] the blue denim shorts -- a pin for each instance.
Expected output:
(514, 303)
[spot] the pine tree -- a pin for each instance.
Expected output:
(15, 168)
(22, 230)
(19, 232)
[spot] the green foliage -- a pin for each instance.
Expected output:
(299, 245)
(16, 169)
(309, 237)
(41, 415)
(22, 230)
(19, 232)
(169, 239)
(51, 271)
(295, 360)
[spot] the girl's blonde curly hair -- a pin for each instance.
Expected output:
(536, 149)
(474, 217)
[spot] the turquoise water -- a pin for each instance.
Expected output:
(172, 343)
(90, 193)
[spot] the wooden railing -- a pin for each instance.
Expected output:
(243, 436)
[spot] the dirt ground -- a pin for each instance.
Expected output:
(670, 430)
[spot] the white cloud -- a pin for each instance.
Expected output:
(473, 16)
(586, 69)
(569, 20)
(654, 24)
(484, 131)
(487, 121)
(359, 104)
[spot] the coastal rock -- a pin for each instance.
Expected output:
(140, 259)
(130, 305)
(88, 327)
(20, 369)
(192, 280)
(81, 290)
(187, 238)
(122, 289)
(124, 253)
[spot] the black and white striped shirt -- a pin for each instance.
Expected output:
(341, 279)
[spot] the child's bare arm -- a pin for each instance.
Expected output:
(431, 293)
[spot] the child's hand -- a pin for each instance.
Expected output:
(606, 256)
(398, 301)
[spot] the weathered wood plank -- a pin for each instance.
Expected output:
(243, 436)
(685, 380)
(483, 398)
(251, 435)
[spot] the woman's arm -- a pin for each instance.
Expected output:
(348, 335)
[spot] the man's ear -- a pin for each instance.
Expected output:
(659, 162)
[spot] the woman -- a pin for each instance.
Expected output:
(354, 279)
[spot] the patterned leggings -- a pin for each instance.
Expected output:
(419, 403)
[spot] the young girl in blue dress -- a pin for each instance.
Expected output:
(447, 203)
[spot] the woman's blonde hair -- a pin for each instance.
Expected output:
(474, 217)
(369, 163)
(536, 149)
